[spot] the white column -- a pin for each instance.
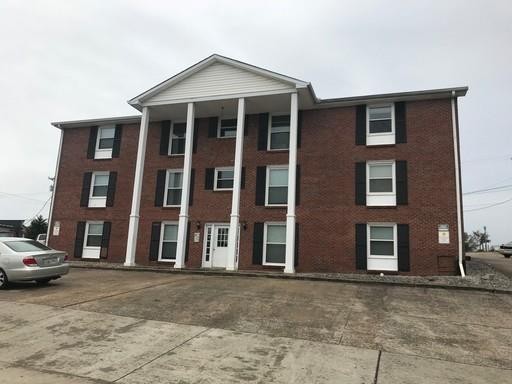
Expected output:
(237, 179)
(185, 190)
(292, 175)
(131, 245)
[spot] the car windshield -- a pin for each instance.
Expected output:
(26, 246)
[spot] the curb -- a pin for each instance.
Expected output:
(282, 276)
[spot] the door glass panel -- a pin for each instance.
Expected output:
(222, 237)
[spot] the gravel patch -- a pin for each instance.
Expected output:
(479, 276)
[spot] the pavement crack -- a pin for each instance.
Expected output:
(160, 355)
(117, 294)
(376, 377)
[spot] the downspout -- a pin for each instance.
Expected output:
(56, 174)
(457, 182)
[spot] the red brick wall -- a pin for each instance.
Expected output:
(327, 213)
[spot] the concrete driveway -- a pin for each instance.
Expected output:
(142, 327)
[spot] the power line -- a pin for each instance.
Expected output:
(489, 206)
(20, 197)
(495, 189)
(40, 210)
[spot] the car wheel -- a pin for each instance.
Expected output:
(3, 279)
(43, 281)
(507, 256)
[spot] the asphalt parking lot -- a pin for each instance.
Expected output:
(96, 326)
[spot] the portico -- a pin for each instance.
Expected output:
(219, 87)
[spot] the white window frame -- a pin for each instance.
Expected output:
(90, 252)
(265, 226)
(382, 138)
(97, 201)
(161, 241)
(269, 133)
(267, 184)
(103, 153)
(167, 173)
(170, 138)
(381, 198)
(215, 188)
(219, 124)
(392, 261)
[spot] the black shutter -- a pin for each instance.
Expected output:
(261, 176)
(160, 187)
(116, 147)
(403, 247)
(165, 132)
(105, 239)
(361, 246)
(196, 131)
(246, 125)
(257, 244)
(400, 128)
(111, 190)
(187, 241)
(361, 124)
(154, 245)
(401, 182)
(263, 132)
(297, 186)
(299, 129)
(242, 179)
(209, 177)
(79, 239)
(91, 148)
(360, 183)
(213, 123)
(86, 189)
(296, 258)
(192, 182)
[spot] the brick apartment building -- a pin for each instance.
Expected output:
(237, 167)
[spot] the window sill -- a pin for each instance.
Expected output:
(167, 261)
(279, 265)
(175, 154)
(278, 150)
(380, 206)
(222, 190)
(276, 206)
(95, 207)
(171, 206)
(102, 158)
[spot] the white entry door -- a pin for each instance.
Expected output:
(215, 253)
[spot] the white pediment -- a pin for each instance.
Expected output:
(217, 77)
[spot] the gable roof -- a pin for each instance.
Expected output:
(138, 100)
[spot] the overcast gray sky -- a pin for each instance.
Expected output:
(65, 60)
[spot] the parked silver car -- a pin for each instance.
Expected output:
(26, 259)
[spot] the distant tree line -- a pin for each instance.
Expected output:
(477, 241)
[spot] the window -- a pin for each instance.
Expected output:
(279, 132)
(380, 184)
(177, 139)
(382, 247)
(275, 244)
(93, 239)
(227, 128)
(105, 142)
(26, 246)
(94, 233)
(173, 184)
(380, 125)
(99, 188)
(168, 242)
(277, 185)
(223, 179)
